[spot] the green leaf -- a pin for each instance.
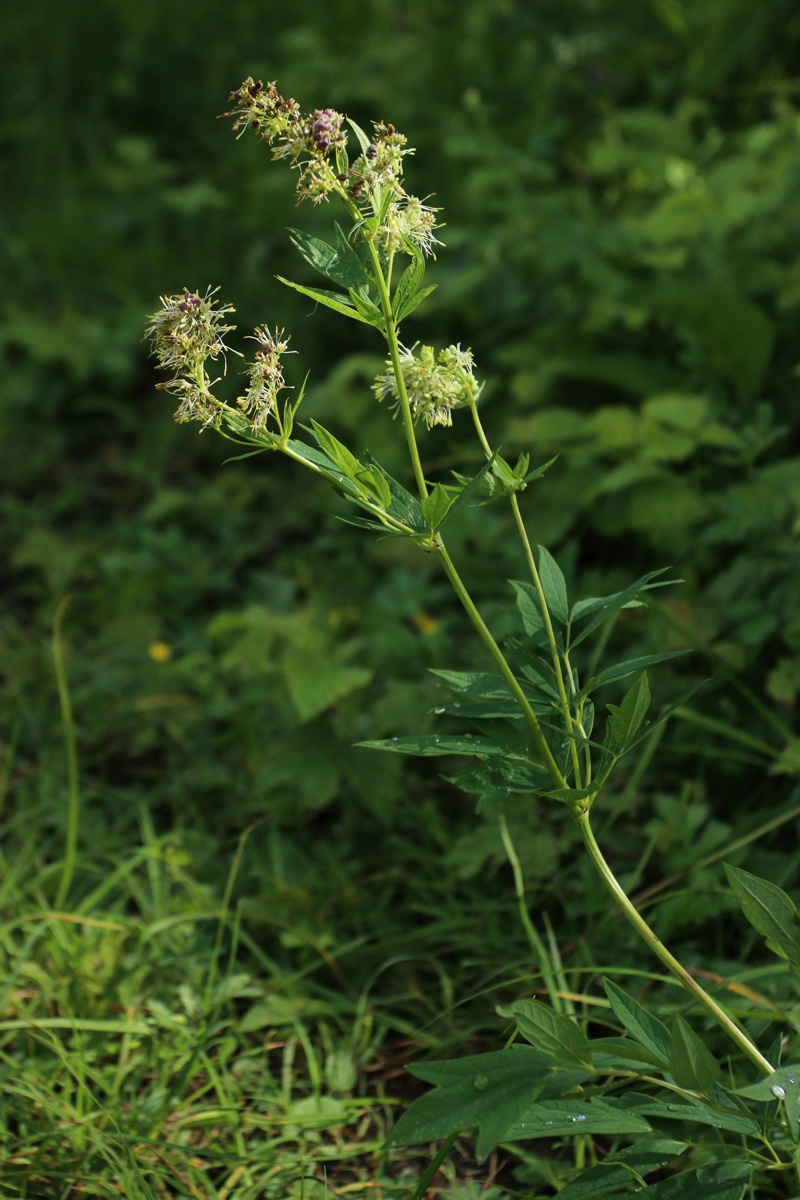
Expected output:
(318, 254)
(698, 1112)
(471, 487)
(646, 1029)
(528, 605)
(348, 269)
(333, 300)
(489, 1091)
(603, 607)
(315, 684)
(553, 586)
(404, 506)
(368, 311)
(629, 667)
(770, 910)
(428, 746)
(565, 1118)
(413, 302)
(337, 452)
(625, 1054)
(436, 507)
(720, 1181)
(496, 779)
(784, 1086)
(551, 1032)
(372, 480)
(691, 1063)
(363, 139)
(409, 285)
(570, 795)
(626, 718)
(339, 263)
(622, 1169)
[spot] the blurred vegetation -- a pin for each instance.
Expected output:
(621, 192)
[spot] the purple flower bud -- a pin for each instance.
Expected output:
(372, 151)
(190, 303)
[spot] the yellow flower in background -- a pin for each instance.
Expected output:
(160, 652)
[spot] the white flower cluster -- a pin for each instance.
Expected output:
(265, 375)
(435, 384)
(409, 220)
(186, 331)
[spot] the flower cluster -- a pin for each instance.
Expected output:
(381, 164)
(185, 332)
(307, 141)
(409, 220)
(265, 376)
(435, 384)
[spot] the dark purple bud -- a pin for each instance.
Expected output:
(372, 151)
(190, 303)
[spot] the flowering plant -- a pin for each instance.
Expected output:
(530, 723)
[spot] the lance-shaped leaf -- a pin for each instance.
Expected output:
(530, 610)
(404, 506)
(363, 139)
(720, 1181)
(602, 607)
(336, 451)
(335, 300)
(369, 312)
(554, 586)
(551, 1032)
(726, 1113)
(565, 1118)
(428, 746)
(770, 910)
(349, 270)
(691, 1063)
(783, 1085)
(487, 1091)
(623, 1169)
(435, 507)
(339, 263)
(646, 1029)
(624, 669)
(409, 285)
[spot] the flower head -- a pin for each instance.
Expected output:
(435, 384)
(409, 220)
(265, 376)
(311, 142)
(186, 331)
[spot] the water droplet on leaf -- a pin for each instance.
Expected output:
(438, 710)
(480, 1082)
(778, 1091)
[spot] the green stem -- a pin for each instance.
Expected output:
(534, 941)
(450, 570)
(73, 814)
(537, 583)
(394, 354)
(505, 670)
(659, 949)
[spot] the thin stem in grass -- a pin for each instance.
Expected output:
(535, 942)
(70, 742)
(737, 1035)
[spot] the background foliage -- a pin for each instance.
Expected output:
(621, 188)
